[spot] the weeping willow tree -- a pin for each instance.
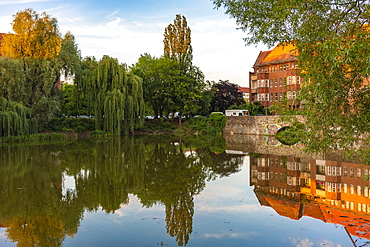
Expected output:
(15, 119)
(115, 96)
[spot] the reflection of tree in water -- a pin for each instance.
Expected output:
(179, 219)
(38, 231)
(175, 174)
(105, 172)
(30, 196)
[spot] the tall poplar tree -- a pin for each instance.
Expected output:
(177, 42)
(190, 84)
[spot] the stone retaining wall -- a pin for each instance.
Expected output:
(255, 125)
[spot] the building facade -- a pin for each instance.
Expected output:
(275, 77)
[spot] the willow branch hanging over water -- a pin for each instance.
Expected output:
(115, 95)
(15, 119)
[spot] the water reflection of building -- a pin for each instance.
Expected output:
(332, 191)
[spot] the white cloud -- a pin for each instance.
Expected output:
(298, 242)
(218, 48)
(5, 21)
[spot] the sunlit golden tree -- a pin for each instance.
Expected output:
(35, 36)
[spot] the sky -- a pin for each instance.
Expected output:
(126, 29)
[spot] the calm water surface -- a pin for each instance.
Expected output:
(143, 192)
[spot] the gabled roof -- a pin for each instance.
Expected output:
(261, 57)
(282, 53)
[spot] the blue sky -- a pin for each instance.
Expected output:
(126, 29)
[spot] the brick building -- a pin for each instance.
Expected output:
(275, 77)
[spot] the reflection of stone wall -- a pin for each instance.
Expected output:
(269, 145)
(255, 125)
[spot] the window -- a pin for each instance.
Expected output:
(289, 82)
(352, 172)
(345, 172)
(358, 190)
(298, 80)
(280, 82)
(294, 94)
(345, 189)
(281, 96)
(276, 82)
(352, 189)
(358, 172)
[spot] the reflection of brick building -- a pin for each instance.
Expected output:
(275, 76)
(332, 191)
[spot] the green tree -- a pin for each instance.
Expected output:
(115, 95)
(190, 85)
(167, 88)
(70, 56)
(159, 79)
(332, 44)
(226, 95)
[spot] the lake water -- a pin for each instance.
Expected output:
(172, 192)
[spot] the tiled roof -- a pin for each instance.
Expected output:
(261, 57)
(244, 89)
(280, 54)
(282, 206)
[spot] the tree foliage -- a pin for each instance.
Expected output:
(177, 42)
(35, 36)
(332, 41)
(38, 55)
(115, 95)
(226, 95)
